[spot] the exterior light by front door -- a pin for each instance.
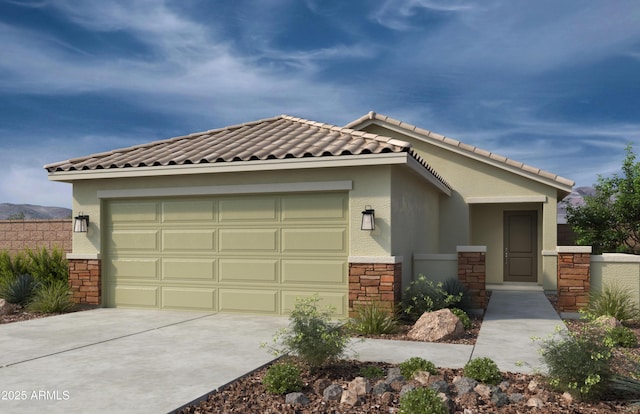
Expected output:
(81, 223)
(368, 219)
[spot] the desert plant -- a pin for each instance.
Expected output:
(282, 378)
(456, 288)
(54, 297)
(621, 336)
(484, 370)
(374, 319)
(613, 301)
(462, 315)
(578, 363)
(19, 290)
(423, 295)
(311, 335)
(371, 371)
(628, 387)
(420, 401)
(413, 365)
(48, 266)
(12, 266)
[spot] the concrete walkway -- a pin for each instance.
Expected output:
(511, 320)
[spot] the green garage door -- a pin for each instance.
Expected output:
(231, 254)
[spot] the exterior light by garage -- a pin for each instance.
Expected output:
(81, 223)
(368, 219)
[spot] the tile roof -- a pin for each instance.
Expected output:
(274, 138)
(372, 116)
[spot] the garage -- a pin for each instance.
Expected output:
(234, 253)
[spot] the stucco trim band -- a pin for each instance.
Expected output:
(573, 249)
(83, 256)
(507, 199)
(616, 258)
(435, 256)
(471, 249)
(376, 259)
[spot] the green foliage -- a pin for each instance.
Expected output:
(420, 401)
(282, 378)
(12, 266)
(578, 363)
(311, 335)
(47, 266)
(609, 221)
(423, 295)
(54, 297)
(371, 372)
(411, 366)
(629, 388)
(456, 288)
(462, 315)
(19, 289)
(614, 301)
(484, 370)
(374, 319)
(16, 216)
(621, 336)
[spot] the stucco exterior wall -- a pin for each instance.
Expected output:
(618, 269)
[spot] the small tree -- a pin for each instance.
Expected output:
(609, 221)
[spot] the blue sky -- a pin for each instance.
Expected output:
(554, 84)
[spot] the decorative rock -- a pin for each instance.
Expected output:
(360, 386)
(349, 397)
(464, 385)
(567, 397)
(7, 308)
(445, 399)
(516, 397)
(320, 385)
(440, 386)
(435, 326)
(394, 375)
(332, 393)
(606, 322)
(296, 398)
(483, 390)
(535, 402)
(397, 385)
(387, 398)
(422, 377)
(469, 399)
(504, 386)
(381, 387)
(499, 398)
(533, 385)
(406, 389)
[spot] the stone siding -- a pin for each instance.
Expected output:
(574, 280)
(84, 278)
(472, 273)
(370, 282)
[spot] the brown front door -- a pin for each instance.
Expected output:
(520, 246)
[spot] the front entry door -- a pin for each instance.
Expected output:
(520, 246)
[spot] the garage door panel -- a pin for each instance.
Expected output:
(248, 240)
(189, 298)
(136, 296)
(138, 268)
(248, 270)
(314, 271)
(138, 240)
(249, 209)
(134, 212)
(188, 240)
(247, 300)
(320, 240)
(314, 207)
(188, 269)
(188, 211)
(337, 301)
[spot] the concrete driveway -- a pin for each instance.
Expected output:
(126, 361)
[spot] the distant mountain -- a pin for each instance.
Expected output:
(30, 212)
(575, 198)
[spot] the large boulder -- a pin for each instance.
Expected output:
(437, 326)
(7, 308)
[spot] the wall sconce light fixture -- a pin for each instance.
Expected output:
(368, 219)
(81, 223)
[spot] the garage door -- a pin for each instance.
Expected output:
(232, 254)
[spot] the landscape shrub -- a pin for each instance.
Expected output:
(420, 401)
(628, 388)
(578, 363)
(13, 266)
(621, 336)
(18, 290)
(456, 288)
(54, 297)
(613, 301)
(282, 378)
(374, 319)
(371, 371)
(413, 365)
(484, 370)
(311, 335)
(464, 318)
(46, 266)
(423, 295)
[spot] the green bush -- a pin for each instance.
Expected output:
(464, 318)
(421, 401)
(423, 295)
(371, 372)
(621, 336)
(282, 378)
(578, 363)
(411, 366)
(13, 266)
(374, 319)
(48, 267)
(19, 289)
(627, 387)
(614, 301)
(311, 335)
(484, 370)
(456, 288)
(54, 297)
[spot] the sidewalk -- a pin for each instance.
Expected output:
(511, 320)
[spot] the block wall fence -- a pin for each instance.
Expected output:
(18, 235)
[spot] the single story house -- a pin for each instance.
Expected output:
(248, 217)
